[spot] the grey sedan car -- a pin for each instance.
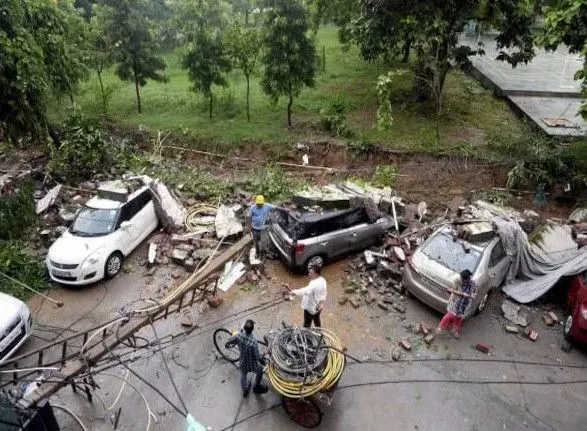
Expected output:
(436, 265)
(314, 238)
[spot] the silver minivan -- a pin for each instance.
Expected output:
(314, 238)
(437, 263)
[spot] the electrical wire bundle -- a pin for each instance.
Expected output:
(304, 361)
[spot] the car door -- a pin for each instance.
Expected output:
(127, 230)
(327, 237)
(499, 263)
(362, 233)
(142, 221)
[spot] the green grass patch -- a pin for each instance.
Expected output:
(471, 115)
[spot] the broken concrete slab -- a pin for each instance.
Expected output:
(515, 313)
(168, 208)
(179, 256)
(578, 216)
(231, 274)
(48, 200)
(226, 222)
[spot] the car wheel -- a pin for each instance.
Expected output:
(567, 327)
(483, 303)
(313, 261)
(113, 265)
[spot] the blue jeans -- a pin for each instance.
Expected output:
(259, 376)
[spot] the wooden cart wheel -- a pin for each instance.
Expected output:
(303, 411)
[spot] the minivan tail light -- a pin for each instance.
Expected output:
(298, 247)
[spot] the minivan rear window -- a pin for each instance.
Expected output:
(451, 254)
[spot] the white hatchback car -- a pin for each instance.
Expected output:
(102, 234)
(15, 325)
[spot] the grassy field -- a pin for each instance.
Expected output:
(471, 117)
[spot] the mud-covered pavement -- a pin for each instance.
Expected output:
(448, 385)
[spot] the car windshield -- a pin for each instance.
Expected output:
(94, 222)
(451, 253)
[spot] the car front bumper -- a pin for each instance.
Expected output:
(9, 346)
(82, 275)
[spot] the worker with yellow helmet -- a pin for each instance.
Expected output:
(258, 217)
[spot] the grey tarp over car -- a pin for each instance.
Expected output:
(537, 267)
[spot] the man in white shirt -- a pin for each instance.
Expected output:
(313, 297)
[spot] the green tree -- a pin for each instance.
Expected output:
(243, 44)
(128, 31)
(41, 45)
(100, 55)
(431, 31)
(290, 55)
(204, 55)
(566, 23)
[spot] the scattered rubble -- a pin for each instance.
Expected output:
(405, 343)
(515, 313)
(533, 335)
(428, 339)
(511, 329)
(48, 200)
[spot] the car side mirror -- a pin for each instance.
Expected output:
(125, 224)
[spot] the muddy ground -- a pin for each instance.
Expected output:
(447, 385)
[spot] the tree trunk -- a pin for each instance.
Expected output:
(137, 90)
(210, 104)
(407, 48)
(102, 91)
(289, 106)
(248, 96)
(423, 84)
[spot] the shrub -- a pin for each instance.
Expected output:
(272, 182)
(17, 213)
(360, 145)
(17, 263)
(81, 150)
(385, 176)
(333, 119)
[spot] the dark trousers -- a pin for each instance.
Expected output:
(309, 318)
(257, 242)
(258, 377)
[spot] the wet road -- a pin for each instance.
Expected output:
(446, 386)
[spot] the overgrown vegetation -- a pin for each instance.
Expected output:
(17, 213)
(81, 148)
(17, 218)
(542, 160)
(333, 119)
(272, 182)
(385, 176)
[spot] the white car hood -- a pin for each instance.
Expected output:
(9, 308)
(71, 249)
